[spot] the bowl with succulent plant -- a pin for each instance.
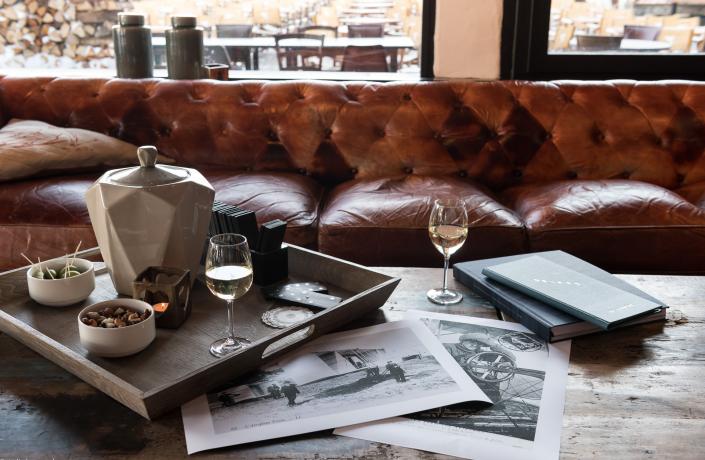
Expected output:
(60, 282)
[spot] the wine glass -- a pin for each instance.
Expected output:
(448, 229)
(229, 277)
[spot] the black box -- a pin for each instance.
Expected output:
(270, 267)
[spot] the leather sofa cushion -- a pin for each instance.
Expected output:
(695, 193)
(47, 217)
(293, 198)
(619, 225)
(385, 221)
(44, 218)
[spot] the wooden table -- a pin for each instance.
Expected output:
(391, 44)
(633, 393)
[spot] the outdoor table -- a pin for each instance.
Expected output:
(391, 45)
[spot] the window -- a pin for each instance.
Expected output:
(640, 39)
(372, 36)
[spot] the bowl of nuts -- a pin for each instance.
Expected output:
(116, 328)
(60, 282)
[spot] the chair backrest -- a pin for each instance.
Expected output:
(615, 20)
(680, 21)
(266, 14)
(641, 32)
(299, 51)
(365, 30)
(328, 31)
(326, 16)
(364, 59)
(563, 36)
(598, 42)
(680, 38)
(233, 30)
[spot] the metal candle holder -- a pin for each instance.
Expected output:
(168, 290)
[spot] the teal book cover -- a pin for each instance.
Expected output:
(571, 291)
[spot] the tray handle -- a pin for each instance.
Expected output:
(288, 341)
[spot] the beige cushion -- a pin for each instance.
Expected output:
(32, 148)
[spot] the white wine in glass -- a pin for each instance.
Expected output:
(229, 277)
(448, 229)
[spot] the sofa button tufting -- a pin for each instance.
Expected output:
(406, 96)
(437, 136)
(571, 175)
(327, 133)
(517, 173)
(547, 137)
(626, 174)
(272, 136)
(353, 171)
(302, 171)
(463, 174)
(680, 178)
(408, 170)
(379, 132)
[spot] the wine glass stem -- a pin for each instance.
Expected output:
(445, 272)
(231, 318)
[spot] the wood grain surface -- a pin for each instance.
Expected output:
(633, 393)
(177, 366)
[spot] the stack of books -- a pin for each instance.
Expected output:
(557, 295)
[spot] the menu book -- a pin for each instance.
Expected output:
(546, 321)
(571, 291)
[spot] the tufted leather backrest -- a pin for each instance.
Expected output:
(498, 133)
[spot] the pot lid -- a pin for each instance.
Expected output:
(148, 173)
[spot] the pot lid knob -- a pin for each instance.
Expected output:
(147, 154)
(148, 173)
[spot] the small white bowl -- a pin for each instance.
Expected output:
(119, 341)
(63, 291)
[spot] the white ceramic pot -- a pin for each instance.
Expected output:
(63, 291)
(119, 341)
(150, 215)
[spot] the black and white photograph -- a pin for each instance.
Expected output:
(368, 374)
(523, 377)
(509, 366)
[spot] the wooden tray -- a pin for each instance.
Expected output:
(177, 366)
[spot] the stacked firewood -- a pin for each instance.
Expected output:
(77, 29)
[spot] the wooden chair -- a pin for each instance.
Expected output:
(365, 30)
(328, 32)
(266, 14)
(564, 35)
(680, 21)
(236, 31)
(641, 32)
(292, 56)
(365, 59)
(680, 38)
(326, 16)
(613, 21)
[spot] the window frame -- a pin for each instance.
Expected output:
(524, 53)
(426, 57)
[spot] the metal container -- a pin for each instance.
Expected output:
(133, 46)
(184, 48)
(149, 215)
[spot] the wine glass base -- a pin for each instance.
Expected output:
(223, 347)
(444, 296)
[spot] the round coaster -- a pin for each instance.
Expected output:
(283, 317)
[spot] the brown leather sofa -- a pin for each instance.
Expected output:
(613, 172)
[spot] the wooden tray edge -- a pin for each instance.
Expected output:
(74, 363)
